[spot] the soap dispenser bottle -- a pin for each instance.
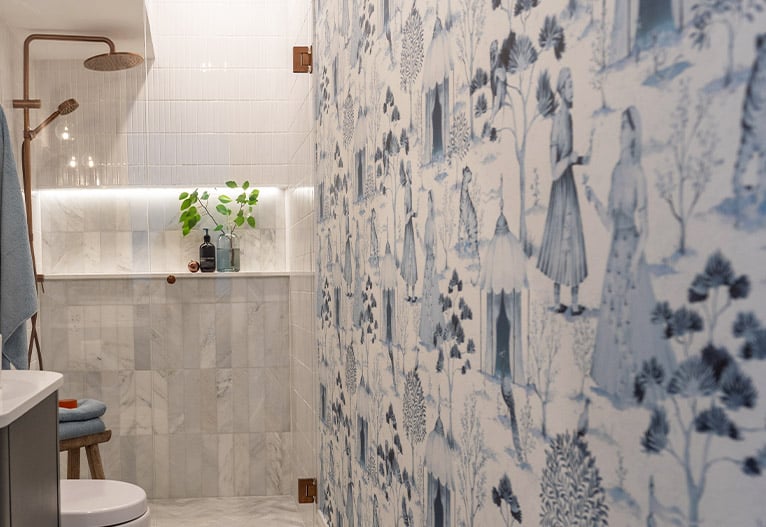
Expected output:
(207, 255)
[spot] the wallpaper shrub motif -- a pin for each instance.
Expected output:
(540, 259)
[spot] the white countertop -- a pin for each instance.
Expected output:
(21, 390)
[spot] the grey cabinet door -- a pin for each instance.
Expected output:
(29, 471)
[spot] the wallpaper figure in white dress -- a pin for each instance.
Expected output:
(374, 256)
(360, 156)
(358, 279)
(625, 335)
(337, 281)
(409, 266)
(468, 227)
(347, 259)
(562, 253)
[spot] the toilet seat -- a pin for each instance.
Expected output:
(102, 503)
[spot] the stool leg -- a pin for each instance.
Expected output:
(94, 462)
(73, 463)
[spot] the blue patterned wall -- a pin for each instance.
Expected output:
(540, 257)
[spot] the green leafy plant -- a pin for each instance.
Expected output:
(234, 212)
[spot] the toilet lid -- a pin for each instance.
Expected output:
(100, 502)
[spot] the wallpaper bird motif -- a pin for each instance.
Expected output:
(540, 262)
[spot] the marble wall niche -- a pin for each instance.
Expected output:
(130, 230)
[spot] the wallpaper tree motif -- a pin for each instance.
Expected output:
(590, 356)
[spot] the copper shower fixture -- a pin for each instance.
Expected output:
(110, 61)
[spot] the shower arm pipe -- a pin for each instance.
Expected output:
(33, 133)
(26, 102)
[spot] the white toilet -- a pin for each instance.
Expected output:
(102, 503)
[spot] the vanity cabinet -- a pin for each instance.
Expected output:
(29, 465)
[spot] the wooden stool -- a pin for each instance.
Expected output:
(90, 442)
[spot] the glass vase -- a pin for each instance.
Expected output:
(227, 253)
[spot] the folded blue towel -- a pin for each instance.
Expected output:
(18, 296)
(86, 409)
(71, 429)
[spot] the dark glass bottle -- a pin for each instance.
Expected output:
(207, 255)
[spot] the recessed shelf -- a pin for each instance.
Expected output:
(163, 276)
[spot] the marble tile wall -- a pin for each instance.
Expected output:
(197, 391)
(303, 389)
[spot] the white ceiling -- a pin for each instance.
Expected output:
(123, 21)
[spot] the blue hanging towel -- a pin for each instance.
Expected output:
(18, 297)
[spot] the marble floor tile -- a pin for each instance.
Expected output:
(272, 511)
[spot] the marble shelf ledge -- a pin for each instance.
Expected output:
(301, 273)
(178, 275)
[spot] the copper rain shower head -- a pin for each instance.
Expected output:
(113, 61)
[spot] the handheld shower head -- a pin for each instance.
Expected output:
(68, 106)
(64, 108)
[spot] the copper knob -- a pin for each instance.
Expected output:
(171, 279)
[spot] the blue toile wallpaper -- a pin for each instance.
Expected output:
(540, 261)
